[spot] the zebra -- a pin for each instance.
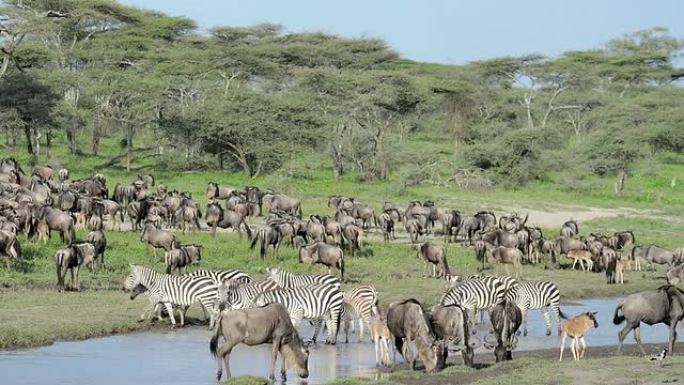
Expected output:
(240, 295)
(537, 295)
(313, 302)
(364, 301)
(220, 275)
(475, 294)
(287, 280)
(175, 290)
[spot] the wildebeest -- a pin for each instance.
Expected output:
(72, 258)
(56, 220)
(621, 239)
(147, 180)
(501, 238)
(480, 222)
(9, 246)
(577, 328)
(507, 256)
(609, 260)
(99, 241)
(256, 326)
(675, 275)
(214, 191)
(407, 322)
(415, 227)
(565, 244)
(353, 235)
(182, 257)
(583, 257)
(324, 254)
(158, 239)
(43, 172)
(569, 229)
(284, 203)
(435, 255)
(663, 305)
(506, 318)
(450, 324)
(268, 235)
(381, 339)
(386, 223)
(654, 254)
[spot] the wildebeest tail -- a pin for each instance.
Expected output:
(340, 265)
(248, 230)
(254, 241)
(618, 319)
(445, 264)
(213, 343)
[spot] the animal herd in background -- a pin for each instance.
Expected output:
(270, 309)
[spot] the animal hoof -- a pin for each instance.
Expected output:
(518, 333)
(548, 333)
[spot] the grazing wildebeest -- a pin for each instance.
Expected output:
(256, 326)
(72, 258)
(147, 180)
(56, 220)
(609, 260)
(654, 254)
(480, 222)
(407, 322)
(43, 172)
(268, 235)
(501, 238)
(99, 241)
(675, 275)
(353, 234)
(450, 324)
(315, 230)
(284, 203)
(324, 254)
(9, 246)
(182, 257)
(158, 239)
(386, 223)
(621, 239)
(663, 305)
(435, 255)
(569, 229)
(452, 224)
(506, 318)
(214, 191)
(577, 328)
(213, 216)
(507, 256)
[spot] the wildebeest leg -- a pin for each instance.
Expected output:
(623, 333)
(583, 345)
(223, 359)
(562, 346)
(408, 354)
(573, 348)
(78, 269)
(574, 263)
(673, 336)
(637, 338)
(274, 357)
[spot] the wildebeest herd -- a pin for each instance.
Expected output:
(243, 310)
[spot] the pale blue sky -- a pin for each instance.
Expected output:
(445, 31)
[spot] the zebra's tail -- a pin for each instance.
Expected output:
(213, 344)
(561, 314)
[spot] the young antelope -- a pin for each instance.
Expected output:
(381, 337)
(576, 328)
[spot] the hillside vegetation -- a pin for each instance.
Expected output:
(124, 88)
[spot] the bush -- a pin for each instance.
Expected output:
(666, 139)
(608, 152)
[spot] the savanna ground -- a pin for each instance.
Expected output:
(34, 314)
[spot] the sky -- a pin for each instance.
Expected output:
(441, 31)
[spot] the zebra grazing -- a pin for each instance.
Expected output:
(237, 294)
(314, 302)
(364, 300)
(175, 290)
(220, 275)
(474, 294)
(287, 280)
(537, 295)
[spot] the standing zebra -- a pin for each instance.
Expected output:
(287, 280)
(314, 302)
(240, 295)
(537, 295)
(475, 294)
(175, 290)
(364, 300)
(220, 275)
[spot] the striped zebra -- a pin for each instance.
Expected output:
(364, 300)
(537, 295)
(237, 294)
(220, 275)
(315, 303)
(175, 290)
(287, 280)
(473, 294)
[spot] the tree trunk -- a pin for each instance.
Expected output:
(620, 184)
(96, 134)
(220, 160)
(36, 134)
(29, 139)
(48, 139)
(129, 148)
(70, 137)
(338, 165)
(242, 159)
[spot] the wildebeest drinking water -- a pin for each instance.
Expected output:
(256, 326)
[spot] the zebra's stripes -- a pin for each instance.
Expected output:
(237, 294)
(364, 300)
(315, 303)
(475, 294)
(220, 275)
(537, 295)
(175, 290)
(287, 280)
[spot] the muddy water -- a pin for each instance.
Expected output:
(181, 357)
